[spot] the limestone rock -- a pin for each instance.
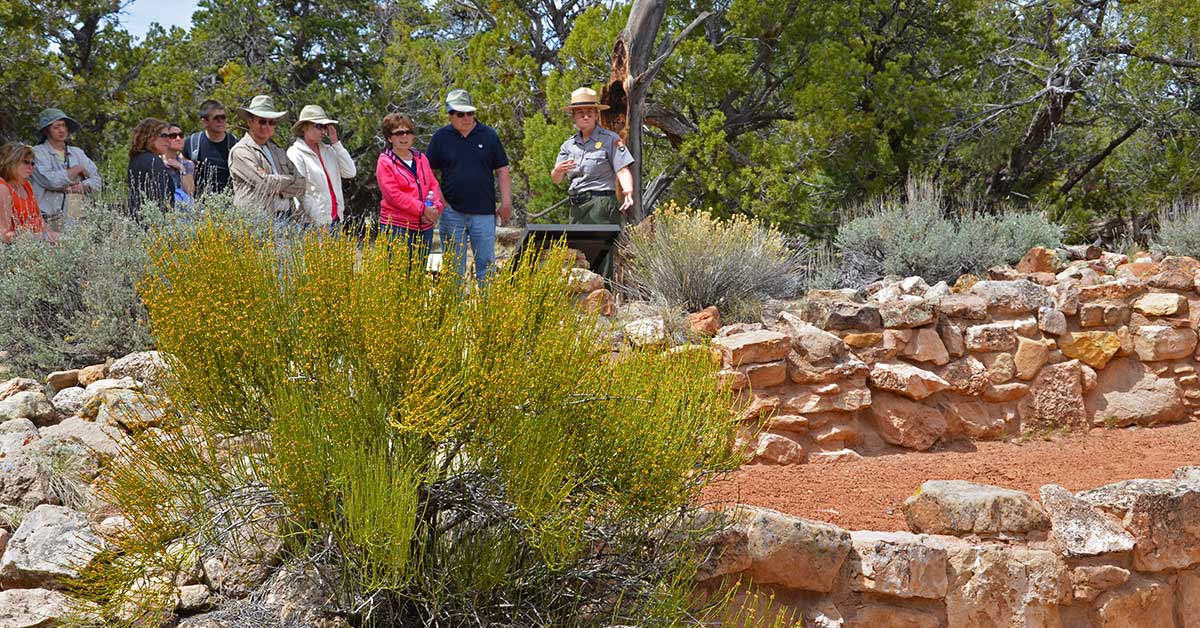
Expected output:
(898, 563)
(52, 544)
(818, 356)
(23, 482)
(966, 375)
(965, 306)
(1093, 348)
(1162, 515)
(907, 312)
(93, 395)
(999, 393)
(861, 317)
(1188, 596)
(952, 338)
(15, 434)
(103, 439)
(1140, 602)
(147, 367)
(600, 302)
(846, 396)
(1001, 367)
(880, 616)
(1161, 304)
(1056, 397)
(1079, 528)
(994, 586)
(777, 449)
(753, 347)
(647, 332)
(1013, 297)
(1128, 393)
(794, 552)
(706, 322)
(129, 409)
(69, 401)
(1161, 342)
(193, 598)
(1031, 355)
(740, 328)
(1052, 321)
(16, 385)
(35, 608)
(1091, 580)
(59, 380)
(28, 404)
(1038, 260)
(978, 420)
(91, 374)
(991, 337)
(957, 507)
(911, 381)
(823, 615)
(838, 456)
(579, 281)
(862, 340)
(907, 423)
(1189, 473)
(723, 549)
(926, 346)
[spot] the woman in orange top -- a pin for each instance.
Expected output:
(18, 206)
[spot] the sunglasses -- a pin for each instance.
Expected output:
(463, 114)
(266, 121)
(401, 132)
(173, 136)
(317, 125)
(218, 118)
(27, 162)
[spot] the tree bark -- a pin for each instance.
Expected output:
(625, 93)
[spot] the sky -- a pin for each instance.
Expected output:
(141, 13)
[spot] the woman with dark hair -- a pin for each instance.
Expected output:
(18, 204)
(412, 199)
(148, 179)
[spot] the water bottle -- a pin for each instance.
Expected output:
(429, 199)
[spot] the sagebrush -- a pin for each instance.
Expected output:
(915, 234)
(449, 460)
(691, 259)
(1178, 230)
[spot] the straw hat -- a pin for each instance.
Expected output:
(585, 97)
(52, 115)
(314, 114)
(261, 106)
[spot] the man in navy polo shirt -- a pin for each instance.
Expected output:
(470, 159)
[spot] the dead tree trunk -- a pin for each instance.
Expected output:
(625, 93)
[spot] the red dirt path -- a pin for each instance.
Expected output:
(868, 494)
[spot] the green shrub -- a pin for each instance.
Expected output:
(1178, 230)
(450, 461)
(914, 235)
(692, 260)
(74, 302)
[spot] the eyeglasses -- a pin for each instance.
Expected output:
(401, 132)
(173, 136)
(463, 114)
(266, 121)
(218, 118)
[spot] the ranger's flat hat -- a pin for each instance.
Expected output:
(585, 97)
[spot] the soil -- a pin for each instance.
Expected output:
(869, 494)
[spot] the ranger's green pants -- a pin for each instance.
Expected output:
(597, 210)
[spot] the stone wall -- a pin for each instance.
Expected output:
(1124, 555)
(1049, 345)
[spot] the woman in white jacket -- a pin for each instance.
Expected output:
(323, 166)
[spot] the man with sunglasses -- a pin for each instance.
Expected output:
(471, 160)
(262, 175)
(210, 148)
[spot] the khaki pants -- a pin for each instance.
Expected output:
(598, 210)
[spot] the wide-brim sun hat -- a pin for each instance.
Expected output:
(459, 100)
(52, 115)
(262, 106)
(312, 113)
(585, 98)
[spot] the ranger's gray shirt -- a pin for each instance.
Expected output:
(597, 161)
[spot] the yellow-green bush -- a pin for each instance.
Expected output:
(470, 459)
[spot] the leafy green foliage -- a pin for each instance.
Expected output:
(914, 235)
(469, 459)
(693, 260)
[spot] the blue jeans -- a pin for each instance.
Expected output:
(419, 242)
(480, 229)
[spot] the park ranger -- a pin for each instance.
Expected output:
(594, 159)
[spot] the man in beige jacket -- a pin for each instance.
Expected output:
(263, 177)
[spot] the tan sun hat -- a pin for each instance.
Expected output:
(262, 106)
(585, 97)
(314, 114)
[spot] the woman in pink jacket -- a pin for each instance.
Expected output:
(412, 200)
